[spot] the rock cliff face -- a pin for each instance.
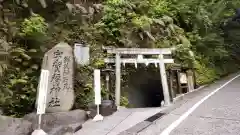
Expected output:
(15, 126)
(55, 120)
(60, 123)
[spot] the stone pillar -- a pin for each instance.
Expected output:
(59, 62)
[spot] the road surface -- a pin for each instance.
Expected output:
(214, 111)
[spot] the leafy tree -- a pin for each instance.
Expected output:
(201, 31)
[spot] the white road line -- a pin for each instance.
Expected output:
(170, 128)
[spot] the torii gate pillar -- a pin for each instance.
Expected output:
(118, 80)
(164, 81)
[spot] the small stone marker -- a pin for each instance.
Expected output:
(59, 62)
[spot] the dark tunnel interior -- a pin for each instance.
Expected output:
(145, 90)
(154, 94)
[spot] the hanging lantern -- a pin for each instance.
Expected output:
(140, 57)
(136, 64)
(146, 63)
(123, 63)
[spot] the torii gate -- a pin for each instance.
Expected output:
(140, 52)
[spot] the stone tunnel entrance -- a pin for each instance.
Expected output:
(157, 56)
(145, 88)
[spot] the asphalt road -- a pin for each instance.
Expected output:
(219, 114)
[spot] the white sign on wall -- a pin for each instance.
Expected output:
(183, 78)
(42, 97)
(97, 86)
(81, 54)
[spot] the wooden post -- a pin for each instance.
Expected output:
(179, 84)
(194, 78)
(171, 84)
(107, 85)
(164, 80)
(118, 80)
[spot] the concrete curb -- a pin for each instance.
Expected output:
(182, 95)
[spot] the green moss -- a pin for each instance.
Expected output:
(124, 101)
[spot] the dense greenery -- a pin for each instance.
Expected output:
(201, 31)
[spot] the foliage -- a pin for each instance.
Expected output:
(35, 25)
(205, 74)
(21, 78)
(200, 31)
(124, 101)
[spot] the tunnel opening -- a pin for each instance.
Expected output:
(145, 88)
(152, 91)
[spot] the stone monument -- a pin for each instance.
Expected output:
(59, 61)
